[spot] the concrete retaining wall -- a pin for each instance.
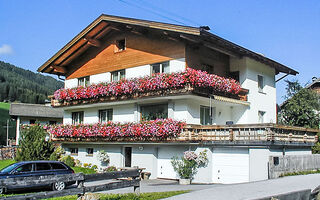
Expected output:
(279, 165)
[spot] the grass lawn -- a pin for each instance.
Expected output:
(4, 163)
(130, 196)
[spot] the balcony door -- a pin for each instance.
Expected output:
(127, 156)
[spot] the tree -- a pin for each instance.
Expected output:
(33, 144)
(301, 107)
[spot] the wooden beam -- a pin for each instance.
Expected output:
(209, 45)
(59, 69)
(93, 42)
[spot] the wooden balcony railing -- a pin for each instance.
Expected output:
(249, 133)
(234, 134)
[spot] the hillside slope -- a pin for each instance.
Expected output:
(17, 84)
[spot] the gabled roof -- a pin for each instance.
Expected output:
(35, 110)
(313, 83)
(104, 24)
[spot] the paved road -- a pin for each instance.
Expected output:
(254, 190)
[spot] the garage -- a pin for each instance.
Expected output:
(230, 165)
(165, 153)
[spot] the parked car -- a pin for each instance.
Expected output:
(35, 168)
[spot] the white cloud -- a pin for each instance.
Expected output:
(6, 49)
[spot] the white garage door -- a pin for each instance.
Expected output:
(165, 169)
(230, 165)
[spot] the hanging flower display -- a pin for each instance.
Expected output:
(160, 81)
(159, 128)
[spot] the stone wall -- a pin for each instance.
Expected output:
(7, 153)
(279, 165)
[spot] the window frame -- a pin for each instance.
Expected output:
(260, 85)
(117, 48)
(118, 72)
(74, 153)
(261, 115)
(165, 105)
(86, 81)
(109, 113)
(211, 117)
(79, 117)
(87, 151)
(161, 67)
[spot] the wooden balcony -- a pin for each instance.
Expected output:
(187, 90)
(250, 133)
(243, 134)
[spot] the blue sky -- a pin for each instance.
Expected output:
(286, 31)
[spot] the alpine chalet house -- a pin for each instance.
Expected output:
(146, 91)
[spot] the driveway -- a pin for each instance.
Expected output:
(254, 190)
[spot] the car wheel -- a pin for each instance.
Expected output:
(2, 190)
(59, 186)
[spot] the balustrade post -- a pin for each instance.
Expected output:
(231, 135)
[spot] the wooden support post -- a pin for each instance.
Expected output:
(136, 188)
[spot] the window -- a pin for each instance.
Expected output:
(24, 168)
(74, 151)
(57, 166)
(206, 116)
(152, 112)
(160, 68)
(77, 117)
(32, 121)
(52, 122)
(89, 151)
(43, 166)
(261, 116)
(120, 45)
(84, 81)
(260, 83)
(118, 75)
(208, 68)
(105, 115)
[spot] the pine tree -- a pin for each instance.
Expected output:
(33, 145)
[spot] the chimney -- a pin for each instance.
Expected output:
(314, 79)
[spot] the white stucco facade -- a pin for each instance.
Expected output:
(227, 163)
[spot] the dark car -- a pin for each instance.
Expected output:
(35, 168)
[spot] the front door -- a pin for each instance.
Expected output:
(127, 156)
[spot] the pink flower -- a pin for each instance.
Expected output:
(195, 78)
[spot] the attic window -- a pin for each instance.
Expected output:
(120, 45)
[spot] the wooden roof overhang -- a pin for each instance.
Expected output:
(91, 37)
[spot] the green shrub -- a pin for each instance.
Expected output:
(69, 160)
(57, 154)
(33, 144)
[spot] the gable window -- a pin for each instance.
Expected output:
(77, 117)
(118, 75)
(105, 115)
(261, 116)
(206, 115)
(89, 151)
(152, 112)
(260, 83)
(74, 151)
(84, 81)
(120, 45)
(160, 68)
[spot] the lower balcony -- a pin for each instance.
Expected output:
(171, 131)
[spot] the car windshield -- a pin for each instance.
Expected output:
(9, 168)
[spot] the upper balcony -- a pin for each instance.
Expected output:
(188, 82)
(171, 131)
